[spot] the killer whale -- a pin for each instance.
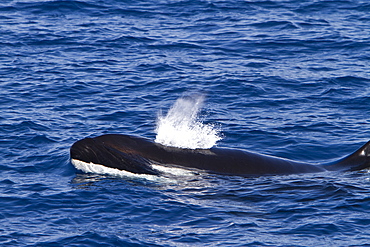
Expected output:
(139, 155)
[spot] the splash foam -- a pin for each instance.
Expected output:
(182, 128)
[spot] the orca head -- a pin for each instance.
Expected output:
(96, 151)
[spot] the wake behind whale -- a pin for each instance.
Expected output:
(184, 142)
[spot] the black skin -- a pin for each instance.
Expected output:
(135, 154)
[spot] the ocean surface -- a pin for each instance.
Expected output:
(289, 78)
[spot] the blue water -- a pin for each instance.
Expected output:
(287, 78)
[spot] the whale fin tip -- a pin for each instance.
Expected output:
(358, 160)
(365, 150)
